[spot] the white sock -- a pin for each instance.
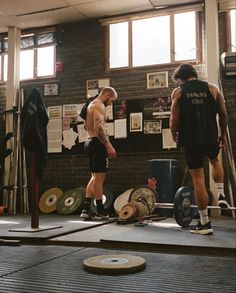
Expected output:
(220, 189)
(204, 217)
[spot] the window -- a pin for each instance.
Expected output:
(155, 40)
(150, 44)
(29, 69)
(232, 30)
(119, 54)
(45, 61)
(26, 64)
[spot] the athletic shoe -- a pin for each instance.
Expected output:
(102, 216)
(222, 202)
(85, 215)
(202, 229)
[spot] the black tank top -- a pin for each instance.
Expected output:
(198, 110)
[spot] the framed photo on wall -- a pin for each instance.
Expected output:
(157, 80)
(50, 89)
(95, 85)
(136, 122)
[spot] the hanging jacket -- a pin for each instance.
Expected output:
(83, 112)
(34, 120)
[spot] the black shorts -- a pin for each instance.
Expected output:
(195, 155)
(96, 151)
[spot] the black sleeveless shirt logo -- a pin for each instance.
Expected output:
(198, 110)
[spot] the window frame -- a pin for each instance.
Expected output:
(35, 76)
(199, 44)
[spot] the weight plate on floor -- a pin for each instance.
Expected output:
(182, 206)
(146, 195)
(108, 199)
(128, 211)
(72, 201)
(114, 264)
(122, 200)
(48, 200)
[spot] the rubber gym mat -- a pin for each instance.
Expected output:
(59, 269)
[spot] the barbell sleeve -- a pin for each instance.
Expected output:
(163, 205)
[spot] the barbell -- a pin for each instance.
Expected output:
(183, 206)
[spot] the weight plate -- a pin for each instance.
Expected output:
(122, 200)
(108, 199)
(128, 211)
(114, 264)
(48, 200)
(146, 195)
(72, 201)
(4, 211)
(182, 206)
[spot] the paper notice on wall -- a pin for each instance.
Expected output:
(82, 133)
(54, 112)
(109, 112)
(68, 138)
(167, 140)
(120, 128)
(109, 126)
(70, 110)
(54, 132)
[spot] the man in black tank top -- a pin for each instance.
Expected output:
(193, 123)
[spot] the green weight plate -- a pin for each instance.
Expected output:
(182, 211)
(145, 194)
(71, 202)
(114, 264)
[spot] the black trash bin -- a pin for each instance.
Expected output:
(166, 173)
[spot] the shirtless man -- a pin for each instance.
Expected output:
(99, 150)
(195, 106)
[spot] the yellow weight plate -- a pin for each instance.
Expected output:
(114, 264)
(48, 200)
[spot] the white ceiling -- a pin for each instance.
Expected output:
(34, 13)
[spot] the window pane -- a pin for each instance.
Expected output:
(45, 61)
(118, 36)
(185, 36)
(5, 63)
(232, 28)
(26, 64)
(151, 41)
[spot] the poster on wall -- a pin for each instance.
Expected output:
(167, 140)
(157, 80)
(136, 122)
(157, 108)
(152, 127)
(95, 85)
(120, 109)
(50, 89)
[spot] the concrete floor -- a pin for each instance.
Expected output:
(50, 258)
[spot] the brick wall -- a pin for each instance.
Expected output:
(82, 52)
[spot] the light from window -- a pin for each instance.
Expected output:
(185, 36)
(26, 64)
(45, 61)
(5, 63)
(118, 50)
(151, 41)
(232, 29)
